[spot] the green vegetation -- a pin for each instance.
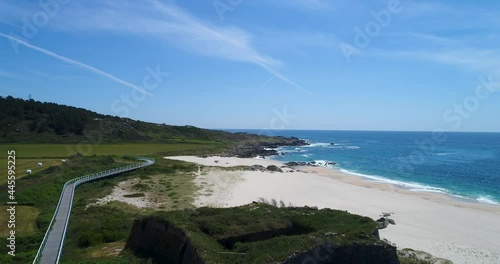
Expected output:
(25, 220)
(174, 191)
(29, 121)
(25, 164)
(40, 192)
(134, 195)
(93, 228)
(224, 235)
(141, 187)
(55, 118)
(32, 151)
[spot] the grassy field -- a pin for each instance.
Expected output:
(25, 220)
(66, 150)
(27, 164)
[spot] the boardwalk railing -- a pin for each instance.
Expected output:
(76, 182)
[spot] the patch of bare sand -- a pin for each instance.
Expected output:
(216, 187)
(120, 192)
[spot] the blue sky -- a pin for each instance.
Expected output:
(263, 64)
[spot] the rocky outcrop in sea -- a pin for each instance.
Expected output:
(266, 148)
(310, 163)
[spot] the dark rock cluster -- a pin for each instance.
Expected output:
(264, 148)
(271, 168)
(357, 253)
(162, 243)
(307, 163)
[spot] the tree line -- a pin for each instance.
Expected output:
(40, 117)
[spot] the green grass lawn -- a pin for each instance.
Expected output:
(66, 150)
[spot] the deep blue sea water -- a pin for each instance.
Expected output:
(462, 164)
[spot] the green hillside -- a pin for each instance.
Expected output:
(30, 121)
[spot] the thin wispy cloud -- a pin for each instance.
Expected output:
(240, 47)
(174, 25)
(442, 34)
(475, 60)
(74, 62)
(461, 51)
(267, 82)
(282, 77)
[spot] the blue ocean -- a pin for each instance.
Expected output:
(465, 165)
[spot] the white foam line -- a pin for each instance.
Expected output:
(421, 188)
(487, 200)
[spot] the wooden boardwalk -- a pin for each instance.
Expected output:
(51, 248)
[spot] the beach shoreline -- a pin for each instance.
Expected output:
(438, 223)
(439, 197)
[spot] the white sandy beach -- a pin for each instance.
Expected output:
(463, 232)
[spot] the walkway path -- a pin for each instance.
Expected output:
(51, 248)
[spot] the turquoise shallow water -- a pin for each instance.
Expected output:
(462, 164)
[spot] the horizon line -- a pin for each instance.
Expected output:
(354, 130)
